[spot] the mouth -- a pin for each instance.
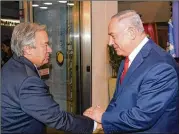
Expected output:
(47, 57)
(115, 49)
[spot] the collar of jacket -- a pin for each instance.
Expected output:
(25, 61)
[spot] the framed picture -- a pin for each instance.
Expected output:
(44, 71)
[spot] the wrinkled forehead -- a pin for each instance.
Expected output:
(116, 25)
(41, 34)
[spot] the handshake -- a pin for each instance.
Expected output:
(95, 113)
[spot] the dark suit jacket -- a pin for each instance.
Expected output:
(147, 101)
(27, 105)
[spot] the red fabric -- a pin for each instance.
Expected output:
(126, 65)
(150, 29)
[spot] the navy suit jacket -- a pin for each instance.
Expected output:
(27, 104)
(147, 100)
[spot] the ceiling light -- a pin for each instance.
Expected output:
(48, 3)
(35, 5)
(43, 7)
(70, 4)
(11, 20)
(62, 1)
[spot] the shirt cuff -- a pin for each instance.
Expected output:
(95, 126)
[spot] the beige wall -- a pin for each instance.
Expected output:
(102, 11)
(157, 11)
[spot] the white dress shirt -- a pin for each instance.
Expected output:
(136, 50)
(95, 126)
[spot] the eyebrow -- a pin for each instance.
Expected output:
(47, 42)
(111, 34)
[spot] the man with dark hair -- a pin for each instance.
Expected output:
(6, 52)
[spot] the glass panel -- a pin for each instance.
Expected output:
(58, 18)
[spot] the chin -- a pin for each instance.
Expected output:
(45, 62)
(118, 53)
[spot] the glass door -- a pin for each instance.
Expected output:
(69, 29)
(62, 23)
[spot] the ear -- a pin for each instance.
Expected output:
(132, 33)
(27, 50)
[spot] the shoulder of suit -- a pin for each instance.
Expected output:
(19, 69)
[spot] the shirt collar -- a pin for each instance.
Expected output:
(137, 49)
(37, 70)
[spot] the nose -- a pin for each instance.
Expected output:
(110, 42)
(49, 50)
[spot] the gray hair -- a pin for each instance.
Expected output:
(133, 18)
(24, 35)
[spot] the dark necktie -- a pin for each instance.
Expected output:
(126, 64)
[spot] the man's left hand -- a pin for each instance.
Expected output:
(94, 113)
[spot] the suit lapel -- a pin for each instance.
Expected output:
(118, 85)
(135, 64)
(138, 60)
